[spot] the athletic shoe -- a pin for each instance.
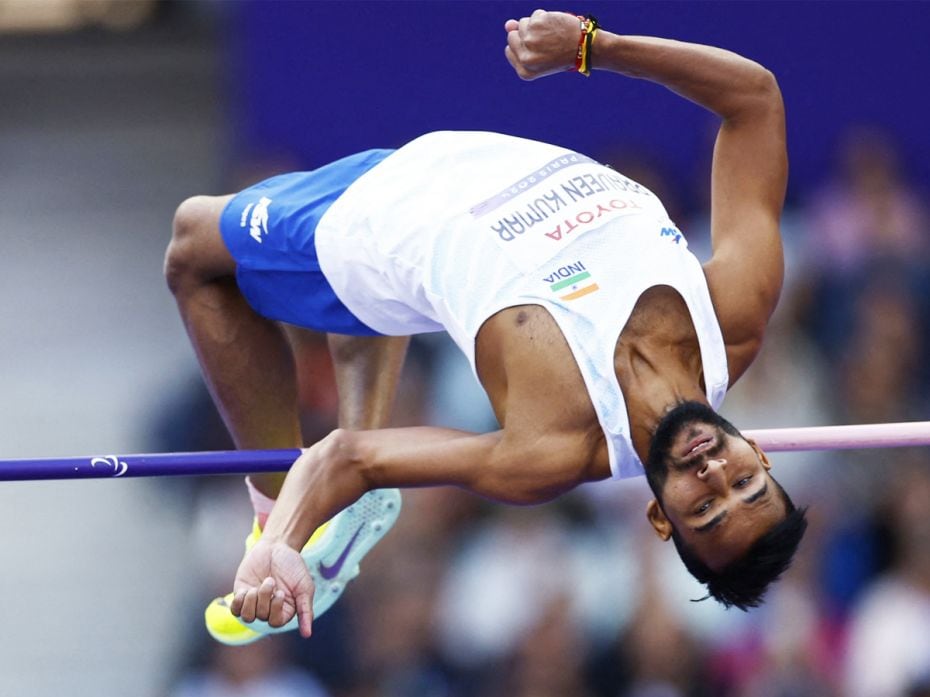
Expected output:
(224, 626)
(332, 555)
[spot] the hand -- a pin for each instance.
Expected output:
(273, 584)
(545, 43)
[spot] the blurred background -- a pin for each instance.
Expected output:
(114, 111)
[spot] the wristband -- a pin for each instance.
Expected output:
(589, 26)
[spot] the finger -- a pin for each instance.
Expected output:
(522, 72)
(511, 58)
(524, 27)
(247, 613)
(305, 614)
(511, 25)
(517, 47)
(263, 599)
(235, 607)
(278, 616)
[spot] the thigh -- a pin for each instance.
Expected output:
(270, 231)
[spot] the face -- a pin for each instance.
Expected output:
(712, 485)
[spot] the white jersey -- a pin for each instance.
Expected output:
(456, 226)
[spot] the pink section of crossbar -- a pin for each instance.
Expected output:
(842, 437)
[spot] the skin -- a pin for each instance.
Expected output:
(718, 494)
(537, 454)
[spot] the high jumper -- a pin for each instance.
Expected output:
(604, 346)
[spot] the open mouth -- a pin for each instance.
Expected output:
(698, 445)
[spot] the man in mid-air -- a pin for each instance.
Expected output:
(604, 346)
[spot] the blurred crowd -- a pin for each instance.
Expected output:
(578, 598)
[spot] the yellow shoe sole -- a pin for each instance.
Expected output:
(332, 555)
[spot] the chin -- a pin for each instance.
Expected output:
(669, 428)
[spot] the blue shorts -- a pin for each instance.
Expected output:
(269, 229)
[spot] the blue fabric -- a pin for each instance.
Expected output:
(270, 228)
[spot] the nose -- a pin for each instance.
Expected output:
(714, 469)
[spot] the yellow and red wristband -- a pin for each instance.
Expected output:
(589, 26)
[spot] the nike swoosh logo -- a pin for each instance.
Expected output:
(330, 572)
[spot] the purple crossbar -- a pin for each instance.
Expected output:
(248, 461)
(153, 465)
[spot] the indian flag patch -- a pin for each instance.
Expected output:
(574, 287)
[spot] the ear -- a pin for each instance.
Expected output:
(658, 521)
(762, 456)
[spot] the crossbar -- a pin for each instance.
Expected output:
(863, 436)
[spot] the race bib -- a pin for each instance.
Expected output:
(539, 215)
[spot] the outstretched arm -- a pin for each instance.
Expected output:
(750, 166)
(335, 472)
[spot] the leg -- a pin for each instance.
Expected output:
(367, 372)
(246, 359)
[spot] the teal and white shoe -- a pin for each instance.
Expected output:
(332, 555)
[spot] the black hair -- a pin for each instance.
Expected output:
(669, 427)
(743, 582)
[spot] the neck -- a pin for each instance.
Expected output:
(652, 389)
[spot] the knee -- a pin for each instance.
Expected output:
(182, 257)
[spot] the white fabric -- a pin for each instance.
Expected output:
(261, 504)
(456, 226)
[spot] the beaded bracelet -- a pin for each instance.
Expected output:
(589, 26)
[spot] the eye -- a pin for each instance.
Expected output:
(704, 507)
(744, 482)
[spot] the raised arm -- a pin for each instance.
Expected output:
(750, 161)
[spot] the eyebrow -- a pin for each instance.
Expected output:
(758, 495)
(717, 519)
(712, 523)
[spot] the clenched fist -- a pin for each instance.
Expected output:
(542, 44)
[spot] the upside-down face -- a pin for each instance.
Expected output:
(712, 486)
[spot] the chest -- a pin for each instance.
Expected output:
(660, 317)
